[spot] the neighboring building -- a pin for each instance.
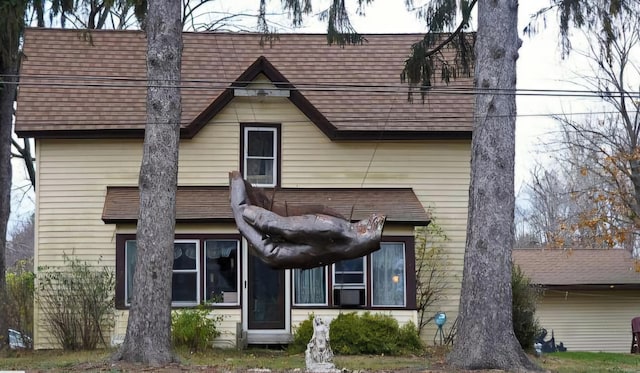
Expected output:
(590, 296)
(316, 123)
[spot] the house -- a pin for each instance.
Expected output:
(306, 121)
(589, 296)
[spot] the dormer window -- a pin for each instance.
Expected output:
(260, 155)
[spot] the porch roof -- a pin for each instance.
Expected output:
(201, 204)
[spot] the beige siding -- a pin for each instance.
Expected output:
(590, 320)
(73, 175)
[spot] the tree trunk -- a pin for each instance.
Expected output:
(148, 338)
(7, 94)
(485, 337)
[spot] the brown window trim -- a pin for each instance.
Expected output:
(278, 128)
(121, 270)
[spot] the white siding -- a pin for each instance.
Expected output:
(590, 320)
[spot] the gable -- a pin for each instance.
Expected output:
(72, 88)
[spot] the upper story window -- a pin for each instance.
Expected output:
(260, 155)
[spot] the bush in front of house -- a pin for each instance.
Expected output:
(77, 302)
(194, 328)
(375, 334)
(525, 299)
(302, 335)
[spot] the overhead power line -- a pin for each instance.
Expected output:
(86, 81)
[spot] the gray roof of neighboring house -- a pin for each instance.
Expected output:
(579, 267)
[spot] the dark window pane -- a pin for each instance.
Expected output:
(130, 254)
(260, 143)
(260, 171)
(221, 279)
(349, 278)
(184, 287)
(184, 255)
(351, 265)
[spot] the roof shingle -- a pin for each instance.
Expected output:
(579, 267)
(71, 84)
(211, 203)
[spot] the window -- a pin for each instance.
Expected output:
(184, 282)
(310, 286)
(382, 279)
(221, 268)
(388, 275)
(260, 163)
(349, 273)
(211, 274)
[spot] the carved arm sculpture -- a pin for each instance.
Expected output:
(316, 237)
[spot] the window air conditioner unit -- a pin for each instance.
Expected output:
(348, 297)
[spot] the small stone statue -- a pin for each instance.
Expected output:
(318, 356)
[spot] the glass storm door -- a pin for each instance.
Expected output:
(266, 296)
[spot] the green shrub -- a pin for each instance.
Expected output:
(194, 327)
(77, 302)
(525, 299)
(375, 334)
(301, 336)
(20, 288)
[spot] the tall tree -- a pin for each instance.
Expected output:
(148, 337)
(11, 24)
(485, 337)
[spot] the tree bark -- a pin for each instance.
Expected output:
(7, 94)
(148, 338)
(485, 337)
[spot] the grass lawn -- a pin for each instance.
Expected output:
(231, 360)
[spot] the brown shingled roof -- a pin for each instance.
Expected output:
(71, 87)
(211, 203)
(578, 268)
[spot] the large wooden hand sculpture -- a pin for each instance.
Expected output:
(314, 237)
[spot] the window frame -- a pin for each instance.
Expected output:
(326, 290)
(404, 277)
(410, 280)
(360, 285)
(196, 271)
(121, 269)
(274, 128)
(237, 265)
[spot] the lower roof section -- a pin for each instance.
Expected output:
(196, 204)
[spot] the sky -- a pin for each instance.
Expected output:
(540, 66)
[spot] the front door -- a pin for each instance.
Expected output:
(266, 296)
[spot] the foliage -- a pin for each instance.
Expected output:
(525, 300)
(431, 277)
(77, 302)
(427, 57)
(591, 195)
(194, 327)
(302, 335)
(353, 334)
(19, 305)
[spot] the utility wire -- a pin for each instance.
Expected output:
(75, 81)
